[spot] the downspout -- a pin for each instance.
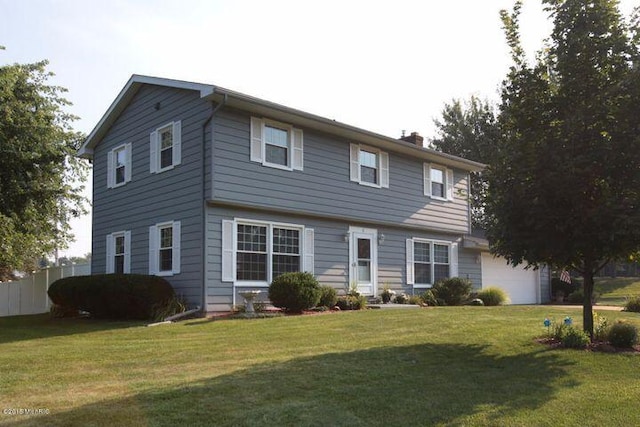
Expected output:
(204, 197)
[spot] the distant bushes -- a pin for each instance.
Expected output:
(633, 305)
(112, 296)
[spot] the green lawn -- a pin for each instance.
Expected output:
(615, 291)
(436, 366)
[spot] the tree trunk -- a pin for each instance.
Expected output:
(587, 307)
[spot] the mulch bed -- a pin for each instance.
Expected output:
(596, 346)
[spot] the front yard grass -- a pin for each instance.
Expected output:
(616, 291)
(436, 366)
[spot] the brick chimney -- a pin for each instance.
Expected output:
(414, 138)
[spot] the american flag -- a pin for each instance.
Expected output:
(565, 276)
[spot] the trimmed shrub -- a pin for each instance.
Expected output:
(112, 296)
(575, 338)
(623, 334)
(352, 302)
(452, 291)
(328, 296)
(493, 296)
(294, 292)
(633, 305)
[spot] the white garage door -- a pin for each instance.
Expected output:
(520, 284)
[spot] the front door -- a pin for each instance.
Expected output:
(364, 261)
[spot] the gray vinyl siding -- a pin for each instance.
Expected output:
(331, 253)
(324, 186)
(173, 195)
(545, 284)
(469, 267)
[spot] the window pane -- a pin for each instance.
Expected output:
(276, 155)
(441, 253)
(368, 159)
(364, 272)
(364, 248)
(252, 238)
(121, 157)
(166, 237)
(421, 252)
(285, 264)
(120, 175)
(437, 189)
(286, 241)
(275, 136)
(166, 158)
(368, 174)
(423, 273)
(166, 138)
(119, 245)
(251, 266)
(441, 272)
(118, 264)
(437, 175)
(166, 259)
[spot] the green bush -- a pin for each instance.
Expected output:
(352, 302)
(577, 297)
(328, 296)
(565, 288)
(623, 334)
(429, 298)
(452, 291)
(600, 327)
(415, 300)
(112, 296)
(575, 338)
(294, 292)
(633, 305)
(493, 296)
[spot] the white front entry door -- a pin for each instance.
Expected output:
(363, 260)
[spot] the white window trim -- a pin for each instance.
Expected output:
(111, 166)
(382, 166)
(448, 177)
(230, 251)
(110, 250)
(154, 248)
(453, 260)
(176, 147)
(295, 144)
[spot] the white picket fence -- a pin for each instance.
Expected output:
(29, 295)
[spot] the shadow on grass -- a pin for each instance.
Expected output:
(610, 285)
(413, 385)
(23, 328)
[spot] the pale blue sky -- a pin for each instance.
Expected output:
(385, 66)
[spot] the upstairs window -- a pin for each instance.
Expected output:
(119, 252)
(119, 166)
(438, 182)
(369, 166)
(165, 147)
(276, 145)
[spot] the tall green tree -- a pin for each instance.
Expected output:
(565, 187)
(39, 172)
(470, 130)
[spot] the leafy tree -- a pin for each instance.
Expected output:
(38, 169)
(470, 131)
(564, 189)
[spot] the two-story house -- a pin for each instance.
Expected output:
(221, 192)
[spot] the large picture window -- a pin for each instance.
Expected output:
(429, 261)
(256, 252)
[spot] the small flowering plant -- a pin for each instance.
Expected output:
(387, 294)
